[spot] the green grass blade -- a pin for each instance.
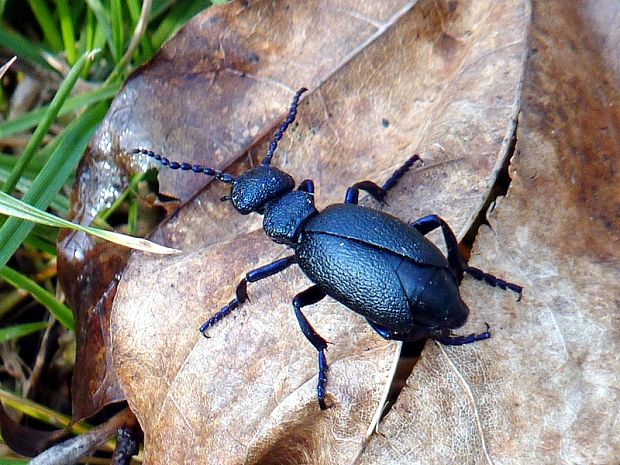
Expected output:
(7, 162)
(100, 35)
(78, 12)
(34, 117)
(178, 15)
(118, 33)
(48, 119)
(133, 217)
(13, 461)
(47, 415)
(160, 7)
(68, 32)
(138, 33)
(16, 208)
(62, 313)
(42, 244)
(87, 37)
(23, 48)
(147, 47)
(16, 331)
(40, 412)
(68, 149)
(132, 187)
(103, 21)
(47, 233)
(59, 203)
(46, 22)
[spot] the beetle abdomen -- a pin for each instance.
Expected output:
(391, 290)
(359, 276)
(377, 229)
(433, 294)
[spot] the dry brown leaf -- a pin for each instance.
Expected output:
(386, 81)
(544, 389)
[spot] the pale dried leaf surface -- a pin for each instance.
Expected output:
(545, 389)
(436, 78)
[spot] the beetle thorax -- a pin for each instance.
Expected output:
(284, 216)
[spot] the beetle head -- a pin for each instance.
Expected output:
(255, 188)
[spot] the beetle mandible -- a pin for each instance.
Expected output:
(371, 262)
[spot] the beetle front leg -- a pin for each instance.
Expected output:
(376, 192)
(370, 187)
(396, 175)
(458, 265)
(241, 294)
(308, 297)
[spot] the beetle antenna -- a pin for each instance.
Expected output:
(283, 127)
(184, 166)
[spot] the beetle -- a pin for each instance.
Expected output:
(373, 263)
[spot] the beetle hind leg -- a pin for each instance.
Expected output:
(416, 334)
(446, 338)
(443, 336)
(429, 223)
(491, 280)
(308, 297)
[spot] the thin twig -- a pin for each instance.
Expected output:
(39, 363)
(70, 451)
(135, 39)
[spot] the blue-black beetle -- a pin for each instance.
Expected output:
(375, 264)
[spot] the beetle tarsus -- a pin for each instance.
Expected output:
(232, 305)
(374, 190)
(491, 280)
(307, 185)
(322, 379)
(457, 263)
(448, 339)
(391, 182)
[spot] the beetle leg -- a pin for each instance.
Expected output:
(241, 292)
(429, 223)
(308, 297)
(306, 186)
(391, 182)
(447, 339)
(443, 336)
(415, 335)
(373, 189)
(491, 280)
(457, 264)
(376, 192)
